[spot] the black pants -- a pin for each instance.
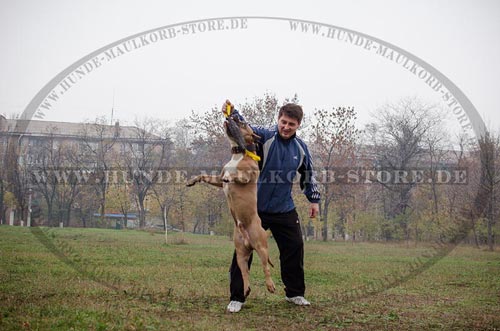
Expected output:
(288, 235)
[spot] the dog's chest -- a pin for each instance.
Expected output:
(230, 169)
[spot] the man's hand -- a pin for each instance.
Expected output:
(224, 107)
(314, 210)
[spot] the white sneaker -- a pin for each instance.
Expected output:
(234, 306)
(299, 301)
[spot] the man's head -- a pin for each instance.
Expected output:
(289, 119)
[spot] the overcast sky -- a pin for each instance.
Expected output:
(200, 69)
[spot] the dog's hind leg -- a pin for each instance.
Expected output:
(245, 272)
(242, 257)
(259, 243)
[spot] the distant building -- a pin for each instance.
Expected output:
(24, 144)
(29, 135)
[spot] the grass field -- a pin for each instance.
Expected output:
(92, 279)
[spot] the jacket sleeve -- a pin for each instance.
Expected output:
(308, 182)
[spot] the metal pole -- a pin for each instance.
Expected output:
(28, 220)
(165, 222)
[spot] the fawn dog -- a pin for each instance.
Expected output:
(238, 179)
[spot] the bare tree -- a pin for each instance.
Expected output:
(47, 160)
(171, 188)
(144, 155)
(97, 156)
(68, 191)
(489, 145)
(18, 172)
(4, 149)
(333, 137)
(399, 138)
(461, 199)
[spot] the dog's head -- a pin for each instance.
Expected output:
(239, 132)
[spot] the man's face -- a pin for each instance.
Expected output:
(287, 126)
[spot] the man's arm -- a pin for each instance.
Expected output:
(308, 183)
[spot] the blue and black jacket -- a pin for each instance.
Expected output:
(281, 160)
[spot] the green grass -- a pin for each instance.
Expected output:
(93, 279)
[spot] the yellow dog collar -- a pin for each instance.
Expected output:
(254, 156)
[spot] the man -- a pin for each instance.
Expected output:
(283, 155)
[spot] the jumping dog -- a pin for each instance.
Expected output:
(238, 179)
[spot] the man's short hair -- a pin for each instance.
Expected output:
(291, 110)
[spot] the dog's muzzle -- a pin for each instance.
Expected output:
(233, 132)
